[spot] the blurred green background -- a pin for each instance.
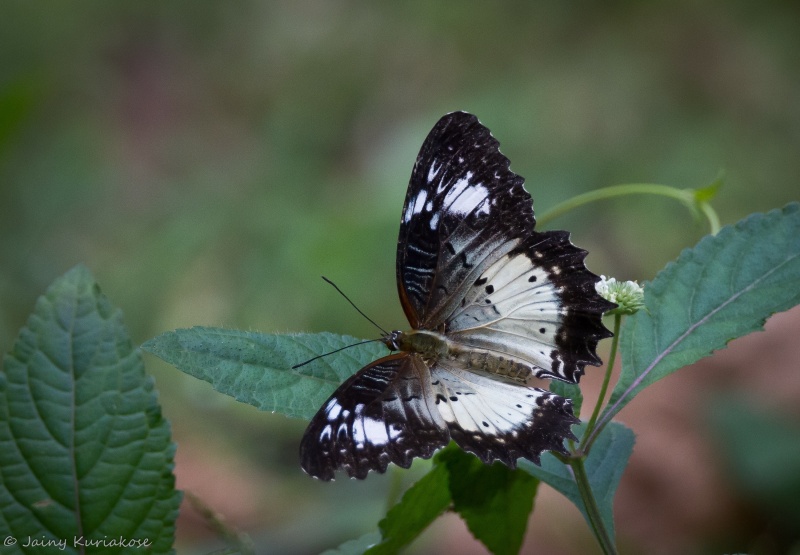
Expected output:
(209, 161)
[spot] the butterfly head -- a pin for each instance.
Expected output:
(394, 340)
(429, 344)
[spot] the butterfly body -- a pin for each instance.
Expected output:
(433, 347)
(491, 302)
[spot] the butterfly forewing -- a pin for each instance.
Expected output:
(463, 208)
(470, 264)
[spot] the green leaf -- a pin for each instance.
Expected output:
(255, 368)
(707, 193)
(604, 466)
(420, 505)
(494, 500)
(724, 288)
(84, 450)
(356, 546)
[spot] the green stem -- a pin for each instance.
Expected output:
(686, 196)
(585, 445)
(711, 216)
(590, 504)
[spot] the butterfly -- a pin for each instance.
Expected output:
(490, 302)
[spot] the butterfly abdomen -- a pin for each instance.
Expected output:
(485, 361)
(433, 346)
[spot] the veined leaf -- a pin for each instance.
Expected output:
(494, 500)
(724, 288)
(256, 368)
(85, 455)
(420, 505)
(604, 466)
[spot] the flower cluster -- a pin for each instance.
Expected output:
(628, 295)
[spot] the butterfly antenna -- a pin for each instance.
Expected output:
(335, 351)
(354, 306)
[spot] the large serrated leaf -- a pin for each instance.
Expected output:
(604, 467)
(256, 368)
(85, 455)
(723, 288)
(495, 501)
(419, 506)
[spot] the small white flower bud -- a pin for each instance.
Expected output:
(628, 295)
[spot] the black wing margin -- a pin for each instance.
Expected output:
(384, 413)
(581, 324)
(463, 206)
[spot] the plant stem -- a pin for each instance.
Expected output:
(711, 216)
(590, 504)
(686, 196)
(586, 445)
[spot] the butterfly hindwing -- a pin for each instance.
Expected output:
(498, 420)
(384, 413)
(537, 305)
(398, 408)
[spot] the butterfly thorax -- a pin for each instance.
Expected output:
(433, 346)
(430, 345)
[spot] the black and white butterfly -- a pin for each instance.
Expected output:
(491, 303)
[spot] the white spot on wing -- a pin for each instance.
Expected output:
(464, 196)
(416, 206)
(432, 171)
(375, 431)
(325, 434)
(333, 409)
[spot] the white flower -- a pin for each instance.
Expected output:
(628, 295)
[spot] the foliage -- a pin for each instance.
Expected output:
(723, 288)
(85, 452)
(207, 160)
(256, 368)
(85, 456)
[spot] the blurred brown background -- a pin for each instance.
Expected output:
(208, 161)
